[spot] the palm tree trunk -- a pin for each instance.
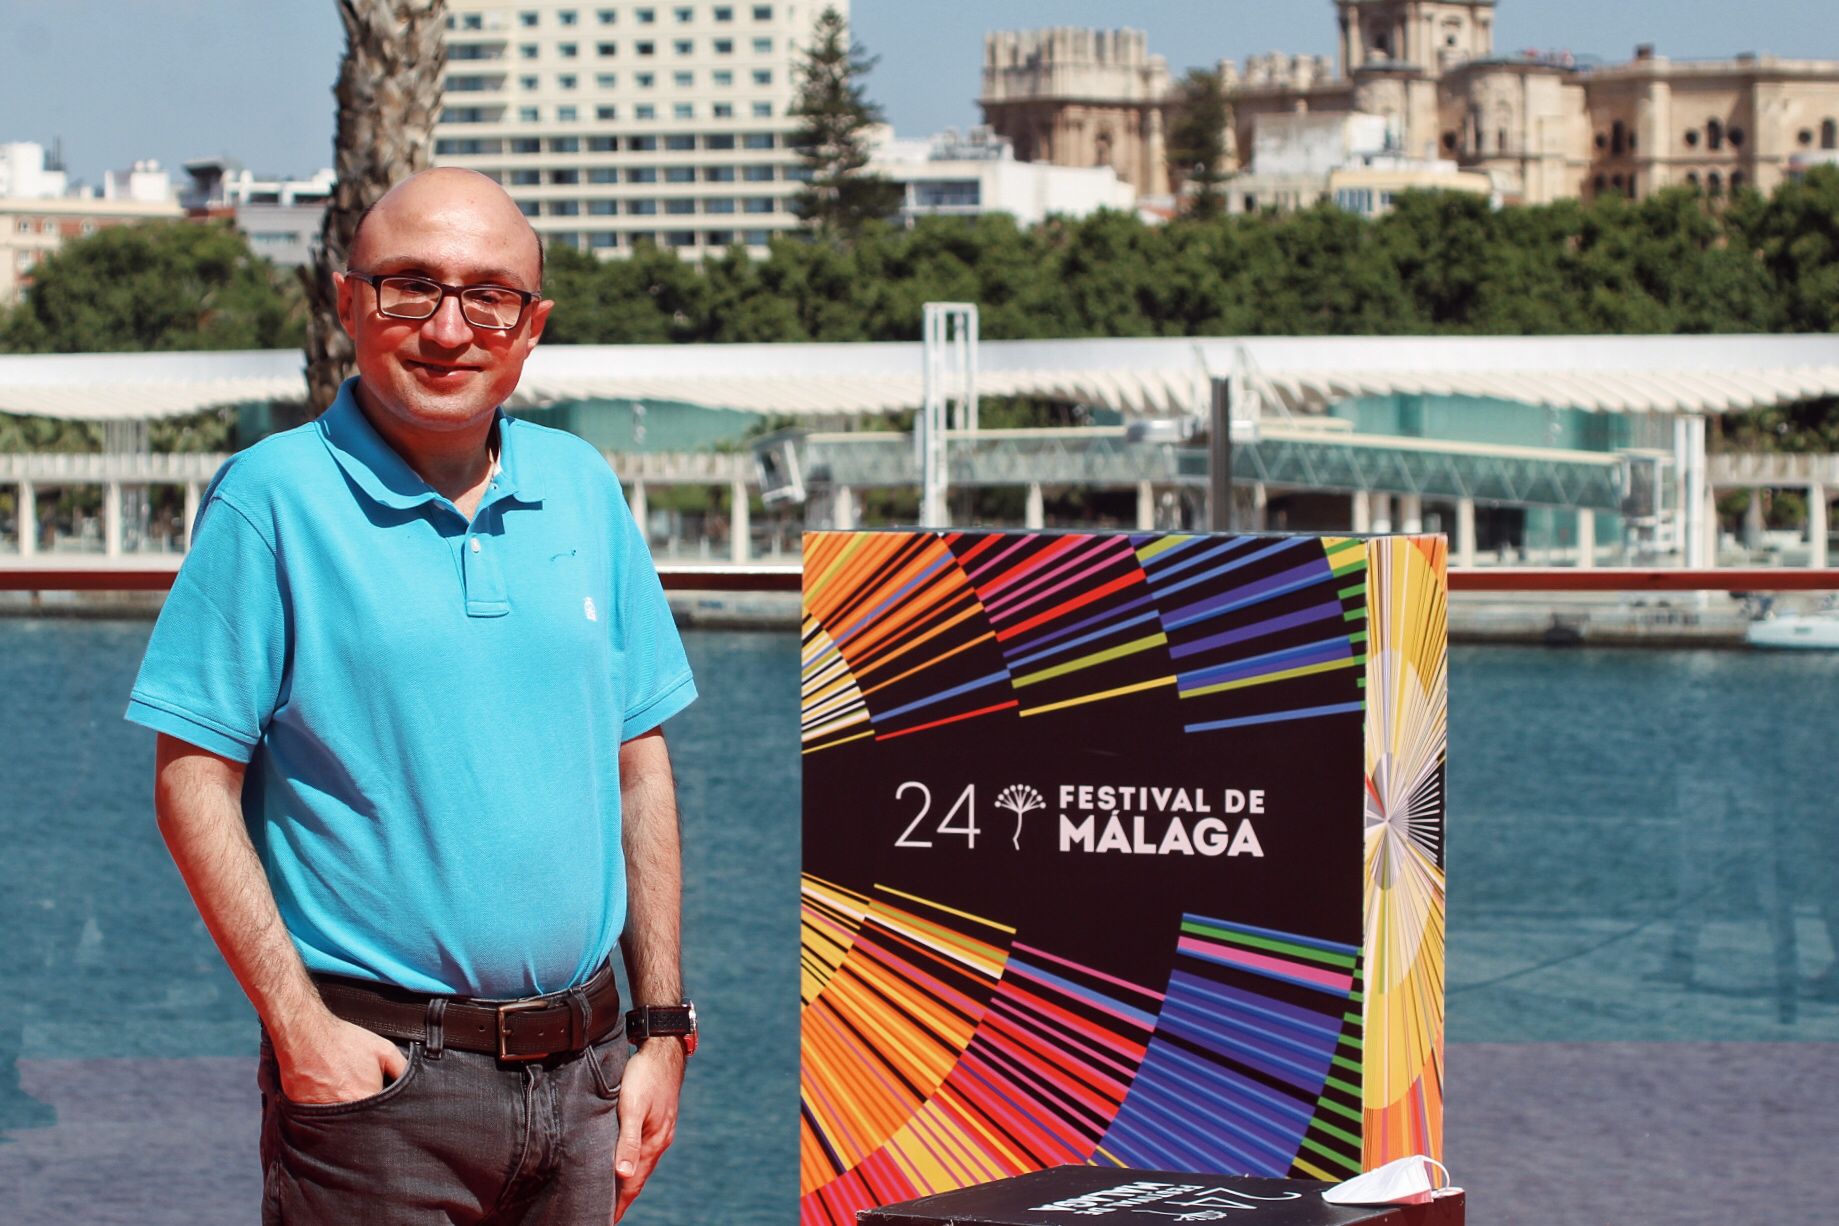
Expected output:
(389, 95)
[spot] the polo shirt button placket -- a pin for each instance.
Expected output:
(485, 591)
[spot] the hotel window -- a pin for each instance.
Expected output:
(642, 208)
(722, 140)
(680, 143)
(566, 81)
(607, 80)
(642, 236)
(565, 144)
(684, 15)
(1714, 134)
(646, 16)
(724, 46)
(530, 83)
(718, 204)
(680, 206)
(472, 21)
(722, 77)
(526, 178)
(602, 208)
(759, 238)
(568, 51)
(606, 112)
(683, 80)
(528, 51)
(529, 114)
(528, 19)
(680, 174)
(565, 208)
(603, 174)
(526, 144)
(682, 110)
(679, 238)
(762, 76)
(718, 238)
(644, 110)
(642, 144)
(606, 50)
(722, 110)
(644, 80)
(757, 174)
(608, 17)
(646, 48)
(602, 239)
(762, 12)
(718, 174)
(724, 13)
(566, 17)
(683, 46)
(762, 110)
(566, 178)
(566, 114)
(763, 46)
(757, 140)
(530, 208)
(642, 174)
(759, 204)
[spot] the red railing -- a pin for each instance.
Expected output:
(787, 579)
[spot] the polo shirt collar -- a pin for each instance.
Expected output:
(383, 475)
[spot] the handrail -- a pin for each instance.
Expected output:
(789, 578)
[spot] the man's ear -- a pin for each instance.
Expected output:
(345, 287)
(539, 315)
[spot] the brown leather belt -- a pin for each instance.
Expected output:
(516, 1030)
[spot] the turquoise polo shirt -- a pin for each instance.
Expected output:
(431, 709)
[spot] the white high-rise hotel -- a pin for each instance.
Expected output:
(614, 122)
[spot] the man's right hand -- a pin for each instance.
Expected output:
(337, 1062)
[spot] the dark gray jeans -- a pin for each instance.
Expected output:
(459, 1138)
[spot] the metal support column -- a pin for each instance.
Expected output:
(1816, 526)
(1381, 506)
(950, 369)
(738, 550)
(1219, 459)
(845, 508)
(1586, 537)
(1753, 524)
(193, 495)
(1146, 506)
(28, 519)
(1360, 513)
(1034, 512)
(111, 518)
(1465, 532)
(1410, 513)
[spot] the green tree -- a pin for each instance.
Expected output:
(1197, 141)
(834, 115)
(161, 286)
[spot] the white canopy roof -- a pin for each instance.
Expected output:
(1148, 377)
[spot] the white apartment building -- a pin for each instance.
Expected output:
(614, 123)
(39, 211)
(949, 175)
(281, 217)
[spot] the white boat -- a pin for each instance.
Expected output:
(1818, 630)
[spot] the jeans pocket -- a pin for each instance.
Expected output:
(607, 1060)
(389, 1093)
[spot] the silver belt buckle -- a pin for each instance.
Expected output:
(504, 1029)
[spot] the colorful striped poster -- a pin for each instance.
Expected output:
(1121, 849)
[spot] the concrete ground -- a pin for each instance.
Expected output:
(1552, 1133)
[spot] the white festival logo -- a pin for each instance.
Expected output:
(1019, 799)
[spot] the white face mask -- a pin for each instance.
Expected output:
(1406, 1181)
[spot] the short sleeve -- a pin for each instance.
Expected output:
(214, 667)
(656, 674)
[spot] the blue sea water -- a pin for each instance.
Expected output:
(1643, 848)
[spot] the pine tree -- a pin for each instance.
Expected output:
(1197, 141)
(833, 117)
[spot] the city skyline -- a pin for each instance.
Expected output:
(182, 79)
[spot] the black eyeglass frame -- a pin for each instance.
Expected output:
(376, 280)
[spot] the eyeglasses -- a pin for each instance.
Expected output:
(483, 306)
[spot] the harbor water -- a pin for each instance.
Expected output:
(1644, 905)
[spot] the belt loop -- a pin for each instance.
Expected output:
(436, 1028)
(580, 1017)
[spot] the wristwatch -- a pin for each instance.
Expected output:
(663, 1021)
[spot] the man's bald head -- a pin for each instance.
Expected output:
(453, 191)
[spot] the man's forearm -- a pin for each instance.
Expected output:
(198, 798)
(652, 943)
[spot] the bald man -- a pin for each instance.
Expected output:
(409, 688)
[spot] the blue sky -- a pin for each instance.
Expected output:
(175, 79)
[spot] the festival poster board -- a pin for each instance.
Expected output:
(1119, 849)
